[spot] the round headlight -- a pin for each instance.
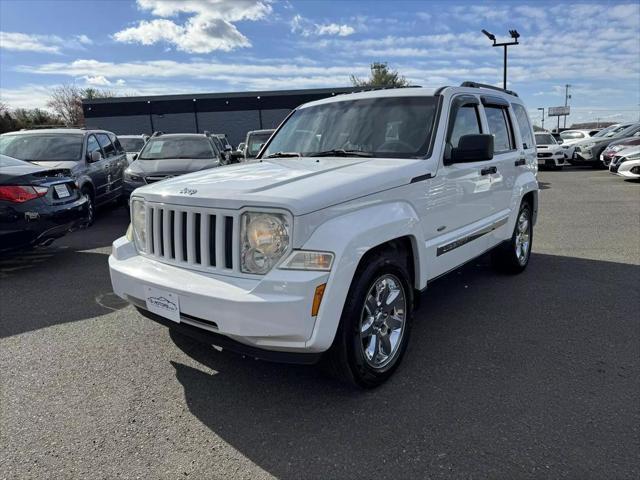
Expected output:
(265, 239)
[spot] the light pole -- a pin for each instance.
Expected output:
(515, 35)
(542, 108)
(566, 101)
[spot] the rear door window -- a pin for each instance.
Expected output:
(499, 127)
(107, 146)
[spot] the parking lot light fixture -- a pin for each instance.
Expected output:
(515, 35)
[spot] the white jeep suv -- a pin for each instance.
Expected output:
(320, 247)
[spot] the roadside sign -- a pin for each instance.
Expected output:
(557, 111)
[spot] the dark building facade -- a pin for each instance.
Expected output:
(232, 113)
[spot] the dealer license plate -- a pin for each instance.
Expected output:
(163, 303)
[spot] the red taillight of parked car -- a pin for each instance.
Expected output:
(21, 193)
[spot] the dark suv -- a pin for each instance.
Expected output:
(95, 158)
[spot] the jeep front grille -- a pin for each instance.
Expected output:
(199, 238)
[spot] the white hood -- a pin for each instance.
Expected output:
(301, 185)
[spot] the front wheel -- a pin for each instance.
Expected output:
(91, 208)
(513, 255)
(375, 324)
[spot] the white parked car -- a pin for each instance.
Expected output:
(571, 137)
(550, 153)
(321, 246)
(626, 163)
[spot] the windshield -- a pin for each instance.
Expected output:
(256, 140)
(131, 144)
(609, 131)
(392, 127)
(42, 147)
(569, 135)
(161, 148)
(545, 139)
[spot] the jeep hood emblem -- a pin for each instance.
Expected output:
(188, 191)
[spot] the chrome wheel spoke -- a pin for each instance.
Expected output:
(382, 321)
(385, 344)
(394, 322)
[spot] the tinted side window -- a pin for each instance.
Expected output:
(465, 123)
(93, 145)
(116, 143)
(499, 127)
(107, 146)
(523, 125)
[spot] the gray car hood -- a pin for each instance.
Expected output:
(175, 166)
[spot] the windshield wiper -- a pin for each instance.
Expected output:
(282, 155)
(340, 152)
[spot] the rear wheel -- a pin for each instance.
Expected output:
(376, 321)
(513, 255)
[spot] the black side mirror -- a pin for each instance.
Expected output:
(560, 141)
(473, 148)
(228, 148)
(135, 156)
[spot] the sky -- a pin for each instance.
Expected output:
(149, 47)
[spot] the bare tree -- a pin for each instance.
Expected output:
(66, 102)
(381, 76)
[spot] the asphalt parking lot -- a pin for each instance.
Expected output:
(534, 376)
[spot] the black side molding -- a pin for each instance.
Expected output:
(421, 178)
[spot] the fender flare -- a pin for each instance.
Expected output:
(525, 183)
(350, 237)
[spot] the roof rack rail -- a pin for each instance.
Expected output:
(485, 85)
(157, 133)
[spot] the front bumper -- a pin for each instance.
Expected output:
(556, 160)
(271, 313)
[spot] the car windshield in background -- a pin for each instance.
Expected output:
(545, 139)
(610, 131)
(392, 127)
(131, 144)
(256, 141)
(42, 147)
(572, 135)
(161, 148)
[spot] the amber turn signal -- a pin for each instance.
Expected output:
(317, 299)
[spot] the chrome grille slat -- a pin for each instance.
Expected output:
(177, 235)
(204, 239)
(197, 238)
(166, 232)
(219, 241)
(157, 233)
(191, 244)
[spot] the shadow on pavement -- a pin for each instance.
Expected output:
(506, 377)
(62, 283)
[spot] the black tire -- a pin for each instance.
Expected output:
(346, 357)
(86, 191)
(504, 257)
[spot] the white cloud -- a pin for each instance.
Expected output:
(210, 26)
(307, 28)
(24, 42)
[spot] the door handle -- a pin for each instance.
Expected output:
(488, 171)
(520, 162)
